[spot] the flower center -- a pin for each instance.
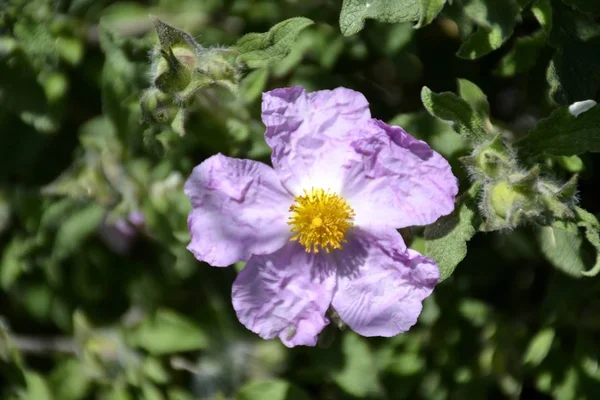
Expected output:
(320, 220)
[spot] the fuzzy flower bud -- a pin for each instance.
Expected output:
(491, 159)
(508, 201)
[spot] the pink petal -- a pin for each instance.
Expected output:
(400, 181)
(285, 295)
(382, 295)
(239, 209)
(310, 134)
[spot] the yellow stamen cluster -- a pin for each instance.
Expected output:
(320, 220)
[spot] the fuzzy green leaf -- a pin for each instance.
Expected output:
(567, 131)
(449, 107)
(355, 12)
(428, 10)
(169, 36)
(258, 50)
(472, 94)
(446, 239)
(561, 245)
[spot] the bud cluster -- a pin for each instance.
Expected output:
(513, 195)
(180, 68)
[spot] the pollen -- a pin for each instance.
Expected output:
(320, 220)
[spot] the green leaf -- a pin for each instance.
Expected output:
(539, 347)
(254, 84)
(151, 392)
(574, 72)
(542, 10)
(354, 13)
(446, 239)
(572, 164)
(358, 377)
(496, 20)
(588, 6)
(472, 94)
(169, 36)
(407, 364)
(567, 131)
(168, 332)
(22, 94)
(272, 389)
(428, 10)
(15, 260)
(75, 230)
(124, 75)
(592, 226)
(37, 388)
(70, 381)
(258, 50)
(449, 107)
(561, 245)
(523, 56)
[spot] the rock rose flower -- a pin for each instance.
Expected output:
(319, 229)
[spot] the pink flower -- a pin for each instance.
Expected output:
(319, 228)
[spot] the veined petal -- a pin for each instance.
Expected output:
(400, 181)
(310, 134)
(382, 296)
(239, 209)
(285, 295)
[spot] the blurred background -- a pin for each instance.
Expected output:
(99, 299)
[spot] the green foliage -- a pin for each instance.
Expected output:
(539, 347)
(573, 73)
(355, 12)
(451, 108)
(258, 50)
(446, 239)
(428, 10)
(561, 245)
(523, 56)
(359, 375)
(273, 389)
(567, 131)
(496, 22)
(167, 332)
(105, 110)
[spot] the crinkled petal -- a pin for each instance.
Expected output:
(310, 134)
(285, 295)
(382, 295)
(239, 209)
(399, 181)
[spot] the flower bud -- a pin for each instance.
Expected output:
(491, 159)
(505, 204)
(172, 75)
(157, 106)
(503, 198)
